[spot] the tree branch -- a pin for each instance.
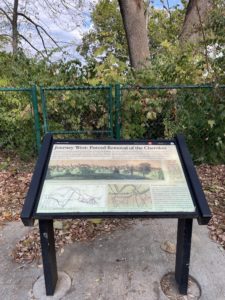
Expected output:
(51, 7)
(7, 5)
(204, 37)
(41, 37)
(167, 8)
(32, 46)
(7, 16)
(37, 26)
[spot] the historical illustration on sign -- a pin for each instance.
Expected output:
(124, 196)
(71, 196)
(62, 197)
(114, 178)
(106, 170)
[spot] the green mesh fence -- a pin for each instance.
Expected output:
(197, 111)
(81, 112)
(19, 123)
(121, 112)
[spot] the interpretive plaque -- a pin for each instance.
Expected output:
(74, 179)
(115, 178)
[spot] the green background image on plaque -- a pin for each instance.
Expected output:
(106, 170)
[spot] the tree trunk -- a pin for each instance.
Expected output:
(133, 15)
(195, 19)
(14, 27)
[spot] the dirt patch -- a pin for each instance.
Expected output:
(169, 288)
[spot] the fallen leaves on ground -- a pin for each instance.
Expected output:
(13, 188)
(169, 288)
(10, 162)
(27, 250)
(169, 247)
(15, 177)
(213, 182)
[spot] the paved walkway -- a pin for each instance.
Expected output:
(125, 265)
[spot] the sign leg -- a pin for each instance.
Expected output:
(48, 255)
(184, 232)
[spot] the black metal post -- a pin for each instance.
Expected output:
(184, 232)
(48, 255)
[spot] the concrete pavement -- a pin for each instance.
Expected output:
(125, 265)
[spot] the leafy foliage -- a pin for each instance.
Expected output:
(107, 34)
(164, 25)
(104, 47)
(199, 114)
(79, 110)
(16, 123)
(215, 40)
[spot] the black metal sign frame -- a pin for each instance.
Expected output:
(185, 219)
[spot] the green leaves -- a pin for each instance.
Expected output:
(80, 110)
(199, 115)
(105, 44)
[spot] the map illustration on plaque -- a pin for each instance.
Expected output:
(70, 196)
(124, 196)
(65, 194)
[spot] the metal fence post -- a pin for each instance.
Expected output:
(44, 110)
(36, 116)
(117, 110)
(110, 111)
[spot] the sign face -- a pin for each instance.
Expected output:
(83, 178)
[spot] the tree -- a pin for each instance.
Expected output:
(113, 35)
(134, 20)
(15, 16)
(107, 35)
(195, 18)
(164, 25)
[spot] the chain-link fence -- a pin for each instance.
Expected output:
(80, 112)
(119, 112)
(19, 121)
(197, 111)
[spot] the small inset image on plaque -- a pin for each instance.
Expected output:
(129, 197)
